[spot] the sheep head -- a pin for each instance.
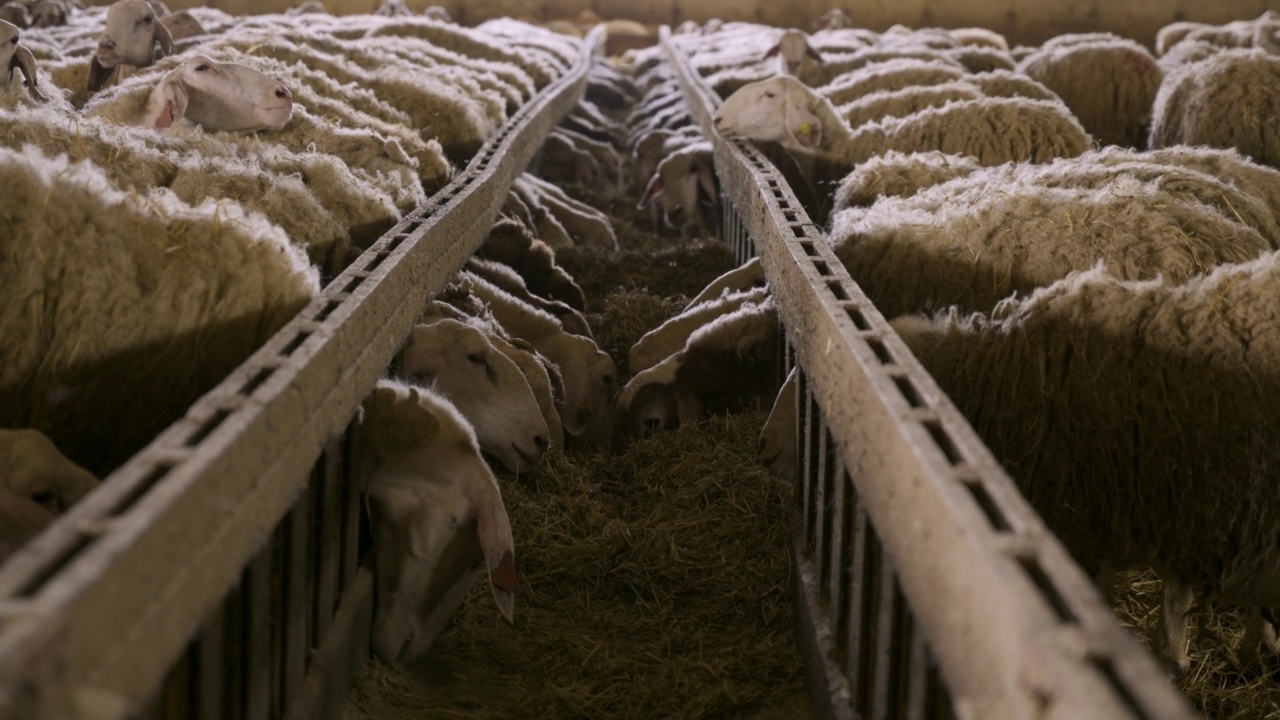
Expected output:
(779, 109)
(130, 36)
(49, 13)
(13, 56)
(791, 50)
(15, 13)
(220, 97)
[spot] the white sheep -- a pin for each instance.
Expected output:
(1138, 418)
(994, 130)
(744, 277)
(510, 281)
(899, 174)
(15, 56)
(672, 335)
(1110, 84)
(975, 240)
(32, 467)
(586, 225)
(175, 298)
(437, 517)
(589, 374)
(683, 183)
(512, 243)
(895, 73)
(727, 364)
(460, 363)
(795, 56)
(21, 519)
(15, 13)
(133, 36)
(1217, 102)
(778, 436)
(881, 104)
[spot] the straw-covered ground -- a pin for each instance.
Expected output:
(653, 581)
(1216, 685)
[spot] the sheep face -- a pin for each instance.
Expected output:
(486, 386)
(130, 35)
(590, 383)
(15, 14)
(777, 109)
(226, 97)
(778, 436)
(792, 50)
(13, 56)
(48, 13)
(32, 467)
(438, 518)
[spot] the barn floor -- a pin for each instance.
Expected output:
(653, 581)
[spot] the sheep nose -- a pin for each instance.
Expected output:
(541, 442)
(107, 44)
(283, 93)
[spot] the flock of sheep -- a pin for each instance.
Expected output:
(1078, 241)
(1091, 285)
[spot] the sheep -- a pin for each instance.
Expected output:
(605, 155)
(975, 240)
(1261, 33)
(21, 519)
(474, 42)
(795, 56)
(882, 104)
(15, 13)
(543, 378)
(833, 19)
(15, 56)
(437, 514)
(1167, 457)
(1185, 53)
(744, 277)
(49, 13)
(979, 37)
(1170, 35)
(509, 280)
(994, 130)
(894, 74)
(586, 225)
(511, 243)
(589, 374)
(729, 363)
(131, 37)
(32, 467)
(175, 298)
(679, 184)
(564, 161)
(1216, 102)
(898, 174)
(1008, 83)
(484, 384)
(219, 97)
(669, 337)
(1110, 85)
(778, 436)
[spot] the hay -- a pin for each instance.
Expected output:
(1216, 685)
(652, 584)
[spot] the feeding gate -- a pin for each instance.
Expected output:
(926, 586)
(216, 573)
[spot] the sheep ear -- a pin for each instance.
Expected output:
(652, 192)
(493, 527)
(817, 56)
(773, 51)
(98, 76)
(164, 37)
(167, 104)
(803, 127)
(26, 62)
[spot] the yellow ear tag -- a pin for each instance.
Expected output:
(806, 129)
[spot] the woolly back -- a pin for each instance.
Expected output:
(975, 240)
(894, 74)
(1138, 417)
(1110, 85)
(123, 308)
(1223, 101)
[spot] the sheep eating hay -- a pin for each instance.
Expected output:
(161, 297)
(1138, 418)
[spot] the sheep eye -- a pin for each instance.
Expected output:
(13, 40)
(202, 67)
(609, 379)
(147, 19)
(477, 358)
(770, 94)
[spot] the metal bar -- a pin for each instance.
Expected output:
(328, 678)
(961, 537)
(123, 580)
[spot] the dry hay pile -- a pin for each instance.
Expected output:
(653, 584)
(1215, 685)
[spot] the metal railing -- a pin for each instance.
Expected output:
(239, 525)
(927, 586)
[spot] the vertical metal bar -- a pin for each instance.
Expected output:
(882, 692)
(917, 690)
(233, 652)
(297, 599)
(802, 461)
(279, 615)
(862, 621)
(822, 518)
(257, 637)
(209, 671)
(327, 534)
(838, 578)
(353, 510)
